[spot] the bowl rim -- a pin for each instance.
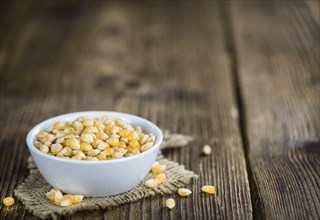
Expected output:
(30, 137)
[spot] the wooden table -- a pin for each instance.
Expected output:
(240, 76)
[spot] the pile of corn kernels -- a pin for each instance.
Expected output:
(94, 139)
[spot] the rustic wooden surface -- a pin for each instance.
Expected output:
(243, 77)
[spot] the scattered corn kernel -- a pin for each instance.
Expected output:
(161, 178)
(56, 197)
(207, 150)
(8, 201)
(66, 201)
(76, 199)
(95, 139)
(184, 192)
(170, 203)
(158, 169)
(151, 183)
(209, 189)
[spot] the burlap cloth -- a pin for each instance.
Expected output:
(32, 191)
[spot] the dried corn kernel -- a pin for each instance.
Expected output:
(87, 137)
(134, 144)
(8, 201)
(42, 134)
(209, 189)
(158, 169)
(85, 146)
(151, 183)
(44, 148)
(93, 153)
(170, 203)
(146, 146)
(58, 126)
(113, 142)
(103, 146)
(184, 192)
(66, 151)
(102, 156)
(73, 143)
(76, 199)
(77, 125)
(124, 133)
(77, 157)
(161, 178)
(207, 150)
(55, 148)
(66, 201)
(87, 122)
(51, 195)
(109, 151)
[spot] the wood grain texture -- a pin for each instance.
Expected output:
(278, 67)
(166, 62)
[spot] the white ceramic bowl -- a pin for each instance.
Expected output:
(95, 178)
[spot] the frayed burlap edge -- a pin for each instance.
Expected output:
(32, 191)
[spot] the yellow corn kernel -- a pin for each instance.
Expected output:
(77, 125)
(151, 183)
(206, 150)
(66, 201)
(69, 130)
(99, 125)
(113, 142)
(44, 148)
(133, 137)
(85, 146)
(93, 153)
(109, 151)
(66, 151)
(184, 192)
(135, 151)
(125, 133)
(96, 142)
(143, 139)
(91, 130)
(128, 155)
(73, 143)
(209, 189)
(102, 156)
(151, 138)
(76, 199)
(134, 144)
(50, 195)
(87, 137)
(58, 126)
(138, 130)
(122, 150)
(109, 127)
(48, 138)
(87, 122)
(122, 145)
(146, 146)
(76, 157)
(55, 148)
(79, 152)
(42, 134)
(161, 178)
(103, 146)
(117, 155)
(37, 144)
(170, 203)
(102, 136)
(158, 169)
(8, 201)
(57, 198)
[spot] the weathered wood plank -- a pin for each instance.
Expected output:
(277, 47)
(163, 61)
